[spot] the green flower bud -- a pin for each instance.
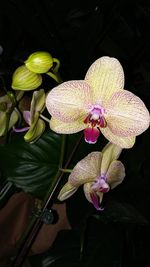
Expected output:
(35, 131)
(15, 115)
(3, 123)
(24, 79)
(39, 62)
(38, 101)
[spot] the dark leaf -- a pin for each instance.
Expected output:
(31, 167)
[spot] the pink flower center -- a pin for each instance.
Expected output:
(101, 184)
(95, 120)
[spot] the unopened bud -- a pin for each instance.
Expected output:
(24, 79)
(39, 62)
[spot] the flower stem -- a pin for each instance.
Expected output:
(57, 64)
(55, 76)
(44, 118)
(65, 170)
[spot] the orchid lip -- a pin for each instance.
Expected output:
(20, 130)
(95, 201)
(91, 135)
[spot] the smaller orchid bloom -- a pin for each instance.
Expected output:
(98, 172)
(36, 125)
(98, 104)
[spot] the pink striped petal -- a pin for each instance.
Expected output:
(126, 114)
(123, 142)
(86, 170)
(66, 128)
(105, 76)
(69, 101)
(115, 174)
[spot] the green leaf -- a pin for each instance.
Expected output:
(31, 166)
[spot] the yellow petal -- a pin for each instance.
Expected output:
(105, 76)
(123, 142)
(126, 114)
(110, 153)
(66, 128)
(88, 191)
(67, 191)
(69, 101)
(115, 174)
(86, 169)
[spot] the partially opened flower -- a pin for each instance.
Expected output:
(98, 172)
(9, 114)
(36, 125)
(98, 103)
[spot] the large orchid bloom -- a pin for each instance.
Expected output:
(98, 173)
(98, 103)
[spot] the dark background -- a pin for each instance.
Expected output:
(78, 32)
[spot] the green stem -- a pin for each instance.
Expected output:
(62, 153)
(44, 118)
(56, 68)
(55, 76)
(65, 170)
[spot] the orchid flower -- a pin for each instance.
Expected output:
(98, 172)
(98, 103)
(36, 125)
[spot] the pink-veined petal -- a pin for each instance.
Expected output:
(105, 76)
(66, 127)
(69, 101)
(123, 142)
(67, 191)
(89, 192)
(86, 170)
(110, 153)
(115, 174)
(126, 114)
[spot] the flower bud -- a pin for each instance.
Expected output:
(3, 123)
(38, 101)
(14, 117)
(24, 79)
(35, 131)
(39, 62)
